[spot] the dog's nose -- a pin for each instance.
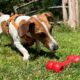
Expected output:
(55, 47)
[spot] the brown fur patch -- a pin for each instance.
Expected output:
(44, 18)
(38, 26)
(5, 27)
(23, 31)
(25, 27)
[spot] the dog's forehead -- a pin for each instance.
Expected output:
(43, 18)
(37, 23)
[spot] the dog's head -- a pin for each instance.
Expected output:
(40, 31)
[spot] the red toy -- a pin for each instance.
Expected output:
(71, 57)
(49, 65)
(65, 63)
(54, 66)
(58, 67)
(76, 59)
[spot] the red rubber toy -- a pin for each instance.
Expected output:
(76, 59)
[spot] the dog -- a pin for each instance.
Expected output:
(29, 29)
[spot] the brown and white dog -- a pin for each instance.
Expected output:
(28, 30)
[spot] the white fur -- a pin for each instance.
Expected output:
(3, 18)
(22, 18)
(14, 34)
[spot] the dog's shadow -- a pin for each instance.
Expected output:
(34, 54)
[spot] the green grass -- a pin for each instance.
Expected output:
(13, 68)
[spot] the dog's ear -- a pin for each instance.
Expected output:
(31, 27)
(48, 14)
(23, 28)
(35, 26)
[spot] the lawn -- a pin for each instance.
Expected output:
(13, 68)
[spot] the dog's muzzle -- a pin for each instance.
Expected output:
(55, 47)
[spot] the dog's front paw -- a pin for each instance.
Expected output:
(27, 57)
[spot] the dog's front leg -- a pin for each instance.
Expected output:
(22, 50)
(14, 34)
(38, 46)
